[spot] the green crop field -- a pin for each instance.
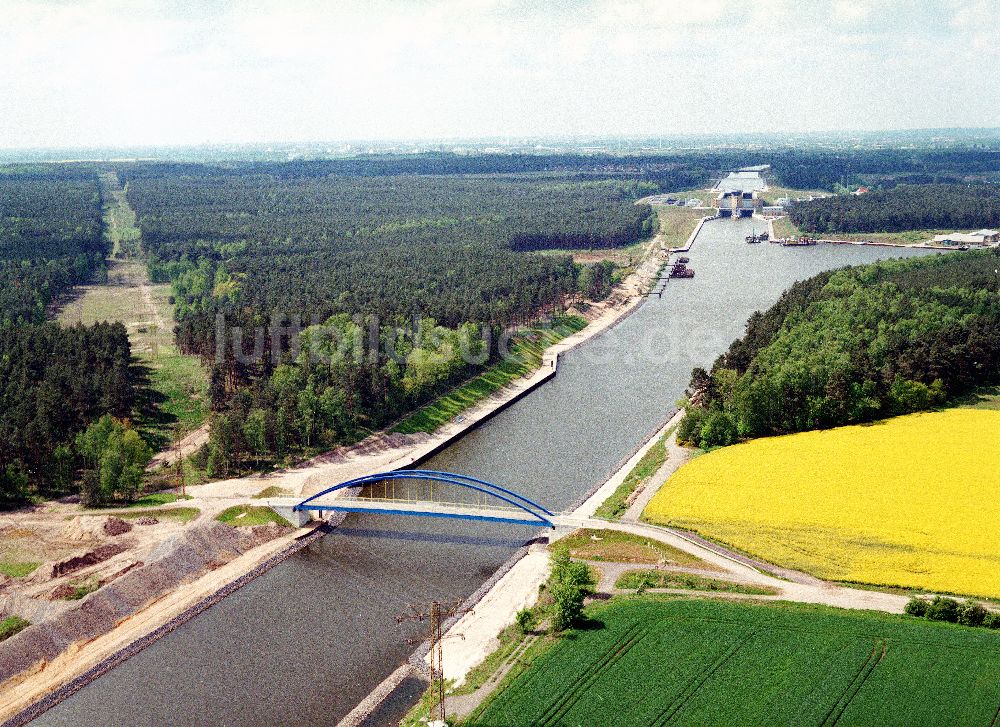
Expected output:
(697, 662)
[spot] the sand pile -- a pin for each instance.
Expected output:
(82, 528)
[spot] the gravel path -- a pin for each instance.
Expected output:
(676, 457)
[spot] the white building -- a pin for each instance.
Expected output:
(979, 237)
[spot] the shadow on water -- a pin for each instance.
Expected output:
(421, 537)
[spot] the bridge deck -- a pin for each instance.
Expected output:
(421, 508)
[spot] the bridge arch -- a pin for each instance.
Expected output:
(539, 515)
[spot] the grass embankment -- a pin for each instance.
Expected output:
(613, 546)
(82, 588)
(12, 625)
(246, 515)
(783, 227)
(647, 466)
(183, 515)
(155, 499)
(677, 223)
(526, 351)
(273, 491)
(646, 579)
(910, 502)
(695, 662)
(17, 569)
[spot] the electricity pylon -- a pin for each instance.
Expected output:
(436, 615)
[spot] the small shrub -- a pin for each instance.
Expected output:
(689, 430)
(971, 613)
(916, 607)
(943, 609)
(992, 621)
(525, 620)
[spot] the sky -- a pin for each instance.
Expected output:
(136, 72)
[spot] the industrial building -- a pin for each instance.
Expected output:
(737, 203)
(979, 237)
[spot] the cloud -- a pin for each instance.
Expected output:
(850, 11)
(183, 71)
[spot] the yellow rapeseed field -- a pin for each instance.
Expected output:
(912, 501)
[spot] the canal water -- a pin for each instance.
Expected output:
(746, 181)
(309, 639)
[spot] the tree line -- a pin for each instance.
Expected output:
(852, 346)
(396, 248)
(803, 168)
(907, 207)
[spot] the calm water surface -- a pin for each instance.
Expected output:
(308, 640)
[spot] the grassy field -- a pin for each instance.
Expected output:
(624, 257)
(179, 383)
(784, 228)
(183, 515)
(242, 515)
(121, 228)
(158, 498)
(618, 547)
(646, 579)
(18, 569)
(677, 223)
(527, 349)
(911, 501)
(987, 398)
(616, 505)
(695, 662)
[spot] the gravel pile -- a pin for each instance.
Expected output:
(116, 526)
(95, 556)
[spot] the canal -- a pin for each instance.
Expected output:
(309, 639)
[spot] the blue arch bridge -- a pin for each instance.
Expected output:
(422, 493)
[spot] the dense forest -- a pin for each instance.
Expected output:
(908, 207)
(427, 266)
(396, 248)
(54, 381)
(50, 240)
(428, 255)
(669, 170)
(855, 345)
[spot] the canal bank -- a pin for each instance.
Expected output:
(310, 639)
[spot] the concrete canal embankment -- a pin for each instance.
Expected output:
(43, 658)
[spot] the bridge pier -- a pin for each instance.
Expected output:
(298, 518)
